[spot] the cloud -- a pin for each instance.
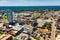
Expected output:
(28, 3)
(8, 3)
(3, 2)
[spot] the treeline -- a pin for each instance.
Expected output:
(29, 9)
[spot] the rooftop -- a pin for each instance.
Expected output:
(5, 36)
(45, 31)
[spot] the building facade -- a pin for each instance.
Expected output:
(9, 16)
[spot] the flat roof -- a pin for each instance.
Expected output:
(4, 36)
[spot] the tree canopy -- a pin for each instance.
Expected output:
(47, 26)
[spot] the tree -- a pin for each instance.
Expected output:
(47, 26)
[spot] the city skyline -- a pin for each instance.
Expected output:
(29, 2)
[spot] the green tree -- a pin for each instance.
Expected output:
(47, 26)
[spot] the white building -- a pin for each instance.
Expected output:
(17, 28)
(40, 22)
(58, 37)
(1, 24)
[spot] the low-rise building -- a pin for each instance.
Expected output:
(28, 28)
(40, 22)
(6, 37)
(1, 24)
(45, 31)
(58, 37)
(58, 24)
(17, 16)
(16, 30)
(22, 36)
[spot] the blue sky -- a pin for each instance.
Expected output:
(29, 2)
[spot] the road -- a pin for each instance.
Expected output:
(53, 30)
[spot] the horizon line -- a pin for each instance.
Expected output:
(45, 5)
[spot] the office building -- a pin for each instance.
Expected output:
(9, 16)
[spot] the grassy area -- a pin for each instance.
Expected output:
(15, 39)
(43, 14)
(37, 38)
(1, 32)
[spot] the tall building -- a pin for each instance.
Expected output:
(9, 16)
(58, 24)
